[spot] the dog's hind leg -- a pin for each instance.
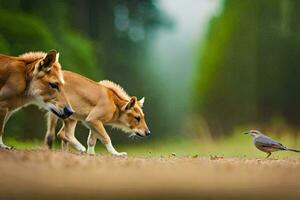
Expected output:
(64, 146)
(91, 143)
(70, 126)
(51, 124)
(62, 135)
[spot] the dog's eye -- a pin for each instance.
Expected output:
(138, 119)
(54, 86)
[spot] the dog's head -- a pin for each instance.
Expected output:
(46, 85)
(132, 118)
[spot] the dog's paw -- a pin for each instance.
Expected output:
(120, 154)
(3, 146)
(91, 151)
(80, 148)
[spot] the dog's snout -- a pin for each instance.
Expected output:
(148, 132)
(68, 111)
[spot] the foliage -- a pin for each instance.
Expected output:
(27, 31)
(248, 68)
(90, 36)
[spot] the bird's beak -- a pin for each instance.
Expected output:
(246, 133)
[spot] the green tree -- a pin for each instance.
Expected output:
(248, 68)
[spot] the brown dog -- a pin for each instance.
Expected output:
(96, 105)
(32, 78)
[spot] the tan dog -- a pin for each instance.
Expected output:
(32, 78)
(97, 104)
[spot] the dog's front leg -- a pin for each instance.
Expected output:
(98, 131)
(112, 150)
(4, 115)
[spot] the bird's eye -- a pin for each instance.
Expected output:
(54, 86)
(138, 119)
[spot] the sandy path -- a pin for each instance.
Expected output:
(58, 175)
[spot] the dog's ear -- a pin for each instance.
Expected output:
(131, 103)
(142, 101)
(46, 64)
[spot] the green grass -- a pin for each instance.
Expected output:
(239, 145)
(20, 144)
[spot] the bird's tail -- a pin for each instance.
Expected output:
(294, 150)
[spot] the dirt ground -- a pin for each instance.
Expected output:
(44, 174)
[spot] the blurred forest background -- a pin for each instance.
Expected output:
(207, 68)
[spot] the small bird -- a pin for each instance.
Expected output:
(266, 144)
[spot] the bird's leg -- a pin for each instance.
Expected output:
(269, 153)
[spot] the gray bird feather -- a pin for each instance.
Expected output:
(263, 141)
(267, 144)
